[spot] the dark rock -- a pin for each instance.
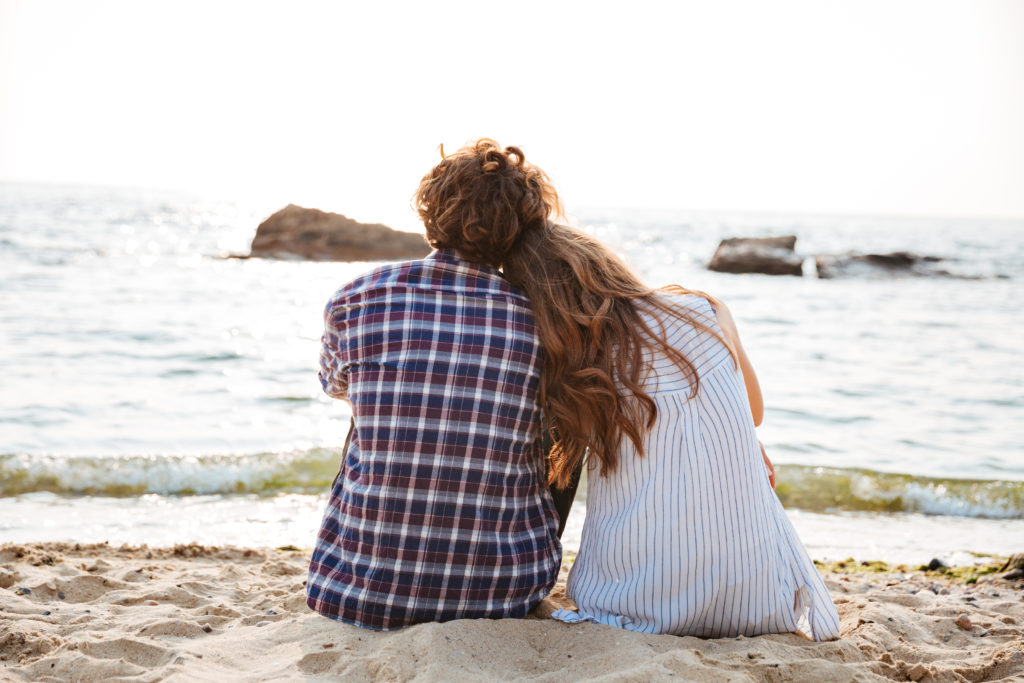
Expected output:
(1014, 568)
(894, 264)
(897, 259)
(936, 563)
(1016, 561)
(322, 236)
(768, 255)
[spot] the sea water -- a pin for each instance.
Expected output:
(156, 392)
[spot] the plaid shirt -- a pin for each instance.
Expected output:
(440, 510)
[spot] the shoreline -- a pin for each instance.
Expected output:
(94, 612)
(255, 521)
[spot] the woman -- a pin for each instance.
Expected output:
(683, 532)
(441, 509)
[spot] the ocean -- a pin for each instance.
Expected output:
(156, 392)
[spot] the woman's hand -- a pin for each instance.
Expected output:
(768, 464)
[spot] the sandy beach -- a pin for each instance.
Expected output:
(98, 613)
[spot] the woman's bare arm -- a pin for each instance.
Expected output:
(756, 400)
(732, 337)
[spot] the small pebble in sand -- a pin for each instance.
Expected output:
(60, 595)
(207, 628)
(917, 672)
(23, 591)
(964, 622)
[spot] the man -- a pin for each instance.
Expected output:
(441, 509)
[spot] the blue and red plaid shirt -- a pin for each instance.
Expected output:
(440, 510)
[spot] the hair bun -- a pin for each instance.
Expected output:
(493, 159)
(482, 199)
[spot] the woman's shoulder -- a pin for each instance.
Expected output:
(689, 306)
(689, 322)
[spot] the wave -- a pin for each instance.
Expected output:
(817, 489)
(826, 489)
(270, 472)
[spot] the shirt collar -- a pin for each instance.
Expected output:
(445, 255)
(449, 256)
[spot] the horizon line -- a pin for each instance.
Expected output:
(831, 213)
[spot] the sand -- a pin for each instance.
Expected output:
(97, 612)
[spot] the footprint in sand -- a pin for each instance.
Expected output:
(136, 652)
(177, 628)
(86, 588)
(318, 662)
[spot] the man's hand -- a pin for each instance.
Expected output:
(768, 464)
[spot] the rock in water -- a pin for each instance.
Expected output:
(322, 236)
(768, 255)
(896, 264)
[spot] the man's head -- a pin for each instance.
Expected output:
(483, 199)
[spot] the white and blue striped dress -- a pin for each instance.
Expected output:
(690, 539)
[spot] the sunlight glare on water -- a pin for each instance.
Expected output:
(126, 334)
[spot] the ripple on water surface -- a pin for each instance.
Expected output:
(122, 336)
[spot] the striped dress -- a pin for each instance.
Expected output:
(690, 539)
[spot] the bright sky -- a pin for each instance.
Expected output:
(907, 107)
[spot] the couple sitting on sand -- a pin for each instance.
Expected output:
(516, 329)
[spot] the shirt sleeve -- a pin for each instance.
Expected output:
(333, 378)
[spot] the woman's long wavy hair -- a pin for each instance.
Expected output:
(492, 207)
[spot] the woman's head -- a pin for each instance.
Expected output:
(483, 199)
